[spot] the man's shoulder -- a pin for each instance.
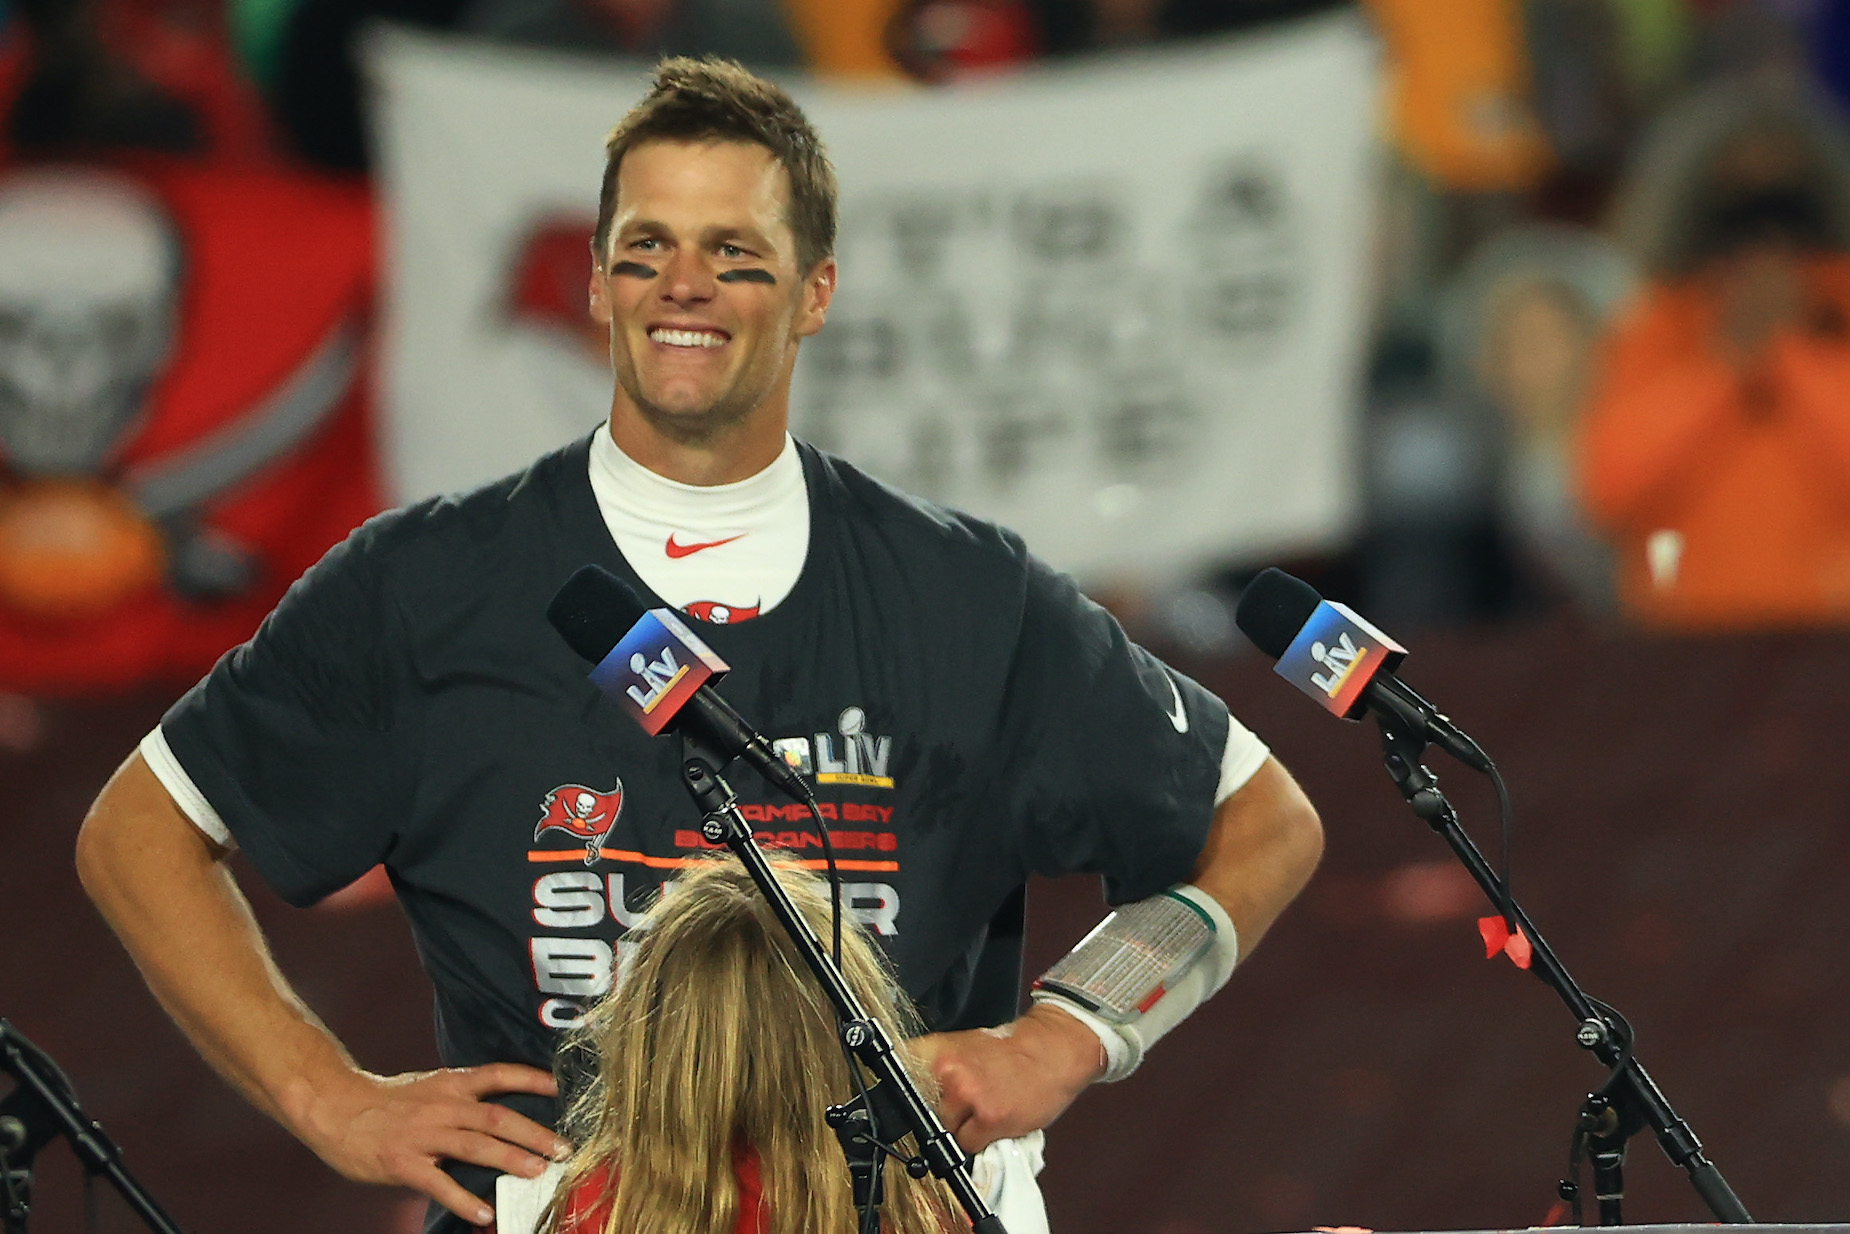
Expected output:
(870, 505)
(502, 518)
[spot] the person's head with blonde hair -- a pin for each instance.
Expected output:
(718, 1043)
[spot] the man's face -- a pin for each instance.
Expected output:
(700, 289)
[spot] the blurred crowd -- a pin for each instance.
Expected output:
(1611, 359)
(188, 76)
(1610, 363)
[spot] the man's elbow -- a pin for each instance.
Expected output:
(1299, 835)
(1261, 851)
(134, 831)
(99, 842)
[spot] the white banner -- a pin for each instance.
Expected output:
(1117, 307)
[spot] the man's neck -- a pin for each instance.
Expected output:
(725, 457)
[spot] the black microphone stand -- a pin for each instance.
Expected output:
(1629, 1101)
(41, 1107)
(893, 1099)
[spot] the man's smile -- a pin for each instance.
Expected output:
(674, 336)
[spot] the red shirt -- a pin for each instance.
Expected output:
(587, 1211)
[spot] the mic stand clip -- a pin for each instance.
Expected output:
(1630, 1100)
(858, 1130)
(893, 1099)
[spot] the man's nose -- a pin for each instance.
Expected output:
(688, 278)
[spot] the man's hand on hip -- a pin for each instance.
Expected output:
(165, 889)
(397, 1129)
(1008, 1081)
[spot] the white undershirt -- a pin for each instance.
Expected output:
(764, 521)
(757, 530)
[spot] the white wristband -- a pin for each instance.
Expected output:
(1120, 1060)
(1126, 1043)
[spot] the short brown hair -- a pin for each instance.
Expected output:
(719, 100)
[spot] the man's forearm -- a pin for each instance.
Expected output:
(165, 890)
(1262, 848)
(1181, 946)
(167, 893)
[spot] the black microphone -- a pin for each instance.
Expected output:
(1276, 608)
(596, 609)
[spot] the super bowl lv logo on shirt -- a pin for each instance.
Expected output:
(850, 755)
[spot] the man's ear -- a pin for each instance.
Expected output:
(818, 291)
(600, 296)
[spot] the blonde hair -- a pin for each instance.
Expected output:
(717, 1038)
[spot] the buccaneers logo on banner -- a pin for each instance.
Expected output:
(582, 812)
(184, 424)
(547, 287)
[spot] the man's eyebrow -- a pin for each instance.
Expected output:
(644, 227)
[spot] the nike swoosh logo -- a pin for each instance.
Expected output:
(1178, 719)
(687, 550)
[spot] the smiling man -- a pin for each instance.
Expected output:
(969, 718)
(706, 292)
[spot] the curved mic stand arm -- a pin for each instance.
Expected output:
(40, 1108)
(1638, 1101)
(893, 1092)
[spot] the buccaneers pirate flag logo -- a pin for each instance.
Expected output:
(584, 812)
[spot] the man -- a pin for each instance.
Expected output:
(970, 715)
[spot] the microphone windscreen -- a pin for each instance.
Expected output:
(593, 611)
(1273, 608)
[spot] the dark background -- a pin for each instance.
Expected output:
(1679, 840)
